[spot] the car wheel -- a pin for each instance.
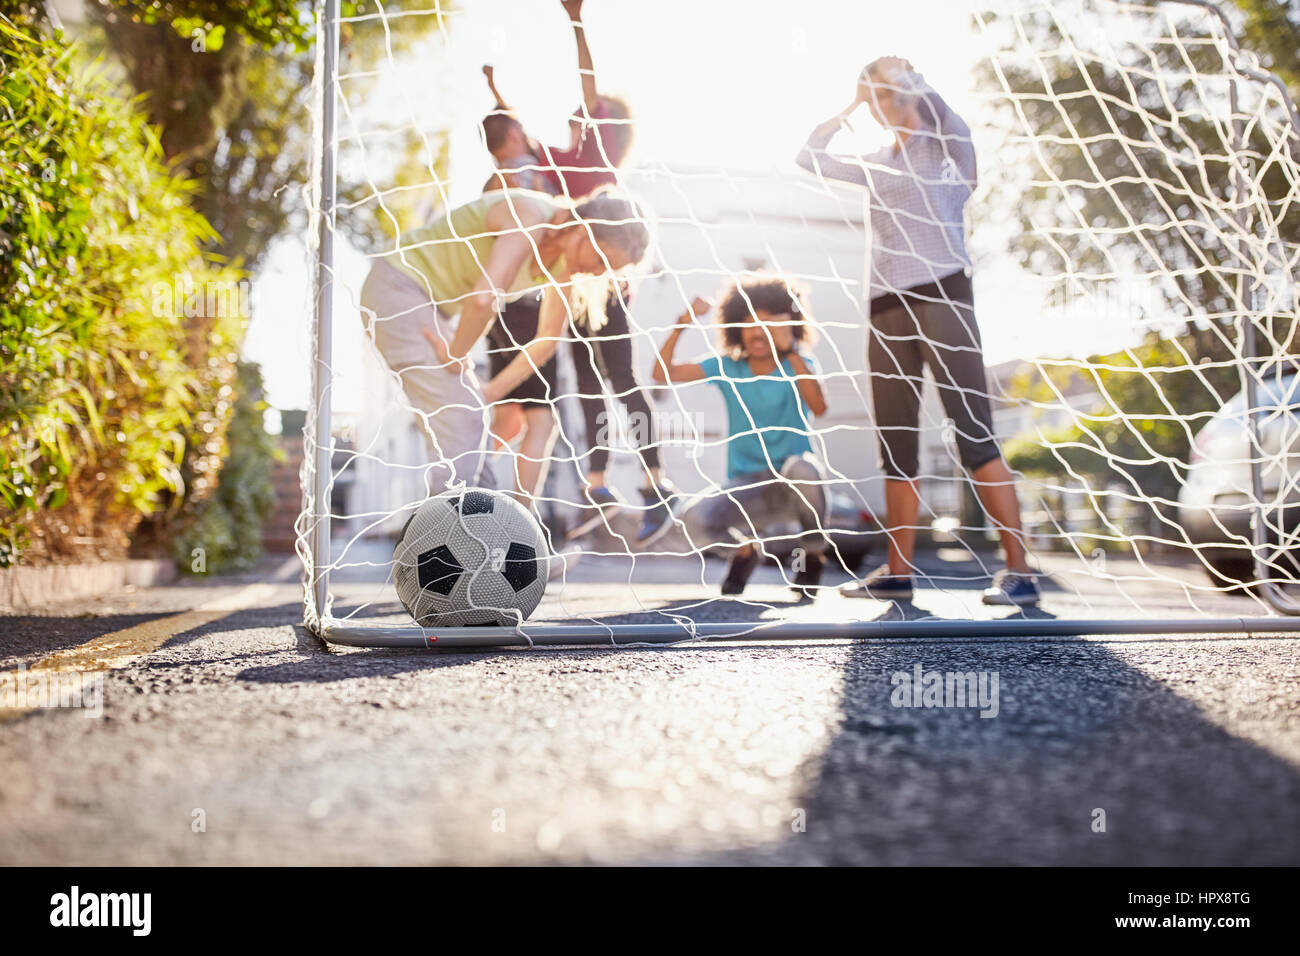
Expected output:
(1233, 573)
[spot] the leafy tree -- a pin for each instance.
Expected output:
(1131, 166)
(101, 204)
(1272, 30)
(1140, 432)
(230, 88)
(1119, 167)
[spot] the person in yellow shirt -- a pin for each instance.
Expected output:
(426, 304)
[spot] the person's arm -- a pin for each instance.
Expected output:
(810, 390)
(490, 73)
(511, 249)
(586, 67)
(538, 351)
(814, 157)
(931, 108)
(784, 345)
(934, 111)
(665, 369)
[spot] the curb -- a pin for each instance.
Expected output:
(35, 588)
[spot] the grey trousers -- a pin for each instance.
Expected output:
(395, 307)
(932, 325)
(754, 506)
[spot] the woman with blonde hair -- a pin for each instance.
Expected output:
(429, 302)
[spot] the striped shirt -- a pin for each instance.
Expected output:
(916, 194)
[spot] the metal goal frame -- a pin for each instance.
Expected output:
(314, 522)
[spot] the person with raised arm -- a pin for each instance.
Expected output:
(601, 132)
(923, 313)
(769, 383)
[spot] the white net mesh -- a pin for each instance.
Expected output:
(1127, 184)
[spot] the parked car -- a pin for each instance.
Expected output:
(1217, 501)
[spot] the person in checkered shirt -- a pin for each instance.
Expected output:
(923, 312)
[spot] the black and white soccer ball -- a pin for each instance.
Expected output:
(470, 557)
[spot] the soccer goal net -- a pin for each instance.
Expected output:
(1045, 321)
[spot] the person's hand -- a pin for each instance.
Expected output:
(442, 351)
(888, 69)
(782, 338)
(698, 309)
(489, 71)
(573, 8)
(493, 392)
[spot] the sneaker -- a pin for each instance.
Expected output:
(605, 503)
(1013, 588)
(807, 580)
(738, 571)
(657, 518)
(882, 585)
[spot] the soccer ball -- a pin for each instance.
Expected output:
(470, 557)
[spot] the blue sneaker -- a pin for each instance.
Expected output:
(657, 518)
(882, 585)
(605, 503)
(1012, 588)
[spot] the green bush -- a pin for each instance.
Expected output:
(1138, 434)
(224, 531)
(108, 400)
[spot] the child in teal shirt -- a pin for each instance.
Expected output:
(772, 394)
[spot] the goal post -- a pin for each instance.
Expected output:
(1279, 601)
(1160, 176)
(317, 468)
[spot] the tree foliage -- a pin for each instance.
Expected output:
(227, 526)
(1121, 163)
(1139, 433)
(112, 407)
(235, 114)
(106, 400)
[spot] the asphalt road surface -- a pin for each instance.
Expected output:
(217, 732)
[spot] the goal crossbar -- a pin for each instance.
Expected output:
(567, 635)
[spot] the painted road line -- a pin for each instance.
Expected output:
(76, 673)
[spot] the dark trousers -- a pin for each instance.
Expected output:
(930, 325)
(604, 357)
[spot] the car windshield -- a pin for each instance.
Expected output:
(1271, 391)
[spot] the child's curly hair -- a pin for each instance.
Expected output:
(774, 294)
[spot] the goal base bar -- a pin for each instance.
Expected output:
(562, 635)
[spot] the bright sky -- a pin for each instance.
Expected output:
(735, 83)
(728, 82)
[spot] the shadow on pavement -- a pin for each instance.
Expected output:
(1079, 732)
